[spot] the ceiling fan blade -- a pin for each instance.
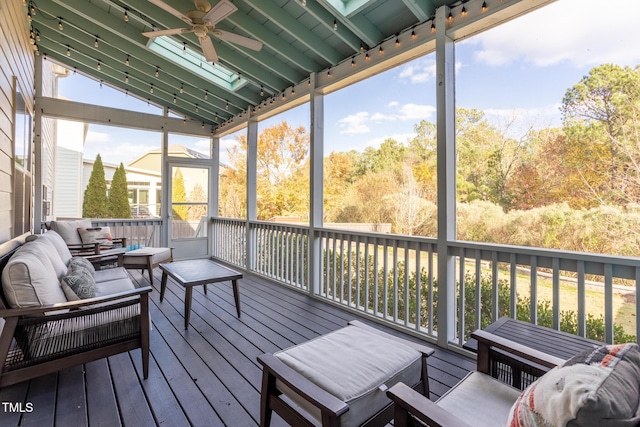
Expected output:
(168, 32)
(208, 50)
(171, 10)
(217, 13)
(238, 39)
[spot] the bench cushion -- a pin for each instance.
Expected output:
(352, 364)
(58, 243)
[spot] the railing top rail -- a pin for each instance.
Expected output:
(487, 248)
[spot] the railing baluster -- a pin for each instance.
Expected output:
(556, 293)
(418, 296)
(513, 282)
(478, 308)
(534, 289)
(608, 303)
(582, 298)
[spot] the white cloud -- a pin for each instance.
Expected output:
(393, 104)
(355, 123)
(379, 117)
(94, 137)
(422, 70)
(565, 31)
(416, 112)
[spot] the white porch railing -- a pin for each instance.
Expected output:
(140, 232)
(393, 278)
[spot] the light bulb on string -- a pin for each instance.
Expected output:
(433, 27)
(99, 67)
(450, 17)
(157, 71)
(484, 6)
(126, 77)
(60, 27)
(182, 88)
(335, 25)
(397, 42)
(206, 94)
(353, 63)
(151, 88)
(227, 106)
(68, 51)
(175, 100)
(126, 61)
(261, 91)
(126, 16)
(464, 11)
(96, 43)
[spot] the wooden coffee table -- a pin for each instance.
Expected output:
(195, 272)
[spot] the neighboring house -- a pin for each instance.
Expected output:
(143, 174)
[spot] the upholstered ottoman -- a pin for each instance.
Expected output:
(340, 378)
(145, 259)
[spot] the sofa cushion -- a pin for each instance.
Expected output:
(140, 256)
(600, 387)
(68, 230)
(49, 250)
(113, 287)
(81, 281)
(61, 247)
(109, 274)
(100, 235)
(29, 279)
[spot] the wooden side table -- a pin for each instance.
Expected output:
(195, 272)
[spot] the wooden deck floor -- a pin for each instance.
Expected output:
(204, 376)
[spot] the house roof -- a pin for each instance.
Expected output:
(298, 38)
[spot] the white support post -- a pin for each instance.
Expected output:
(167, 181)
(38, 172)
(446, 150)
(214, 188)
(252, 208)
(316, 213)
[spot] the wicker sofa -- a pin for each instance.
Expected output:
(47, 327)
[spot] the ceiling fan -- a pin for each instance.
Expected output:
(203, 21)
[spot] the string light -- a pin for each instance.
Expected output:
(181, 87)
(60, 27)
(96, 43)
(450, 17)
(381, 51)
(484, 6)
(184, 48)
(174, 98)
(227, 106)
(284, 96)
(329, 72)
(367, 57)
(261, 90)
(413, 35)
(353, 63)
(203, 126)
(433, 27)
(100, 84)
(196, 108)
(126, 61)
(33, 8)
(304, 3)
(464, 11)
(335, 24)
(99, 67)
(157, 71)
(206, 94)
(126, 77)
(293, 92)
(361, 47)
(151, 88)
(29, 17)
(68, 51)
(397, 42)
(126, 16)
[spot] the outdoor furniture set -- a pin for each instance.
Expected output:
(59, 312)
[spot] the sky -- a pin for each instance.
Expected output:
(517, 71)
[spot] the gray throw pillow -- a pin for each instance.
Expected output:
(80, 262)
(81, 282)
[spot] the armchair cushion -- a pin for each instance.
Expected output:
(100, 235)
(68, 230)
(599, 387)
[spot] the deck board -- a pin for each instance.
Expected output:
(206, 375)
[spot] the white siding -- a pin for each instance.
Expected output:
(16, 60)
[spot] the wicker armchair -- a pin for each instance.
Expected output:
(483, 397)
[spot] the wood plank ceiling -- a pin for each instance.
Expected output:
(103, 39)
